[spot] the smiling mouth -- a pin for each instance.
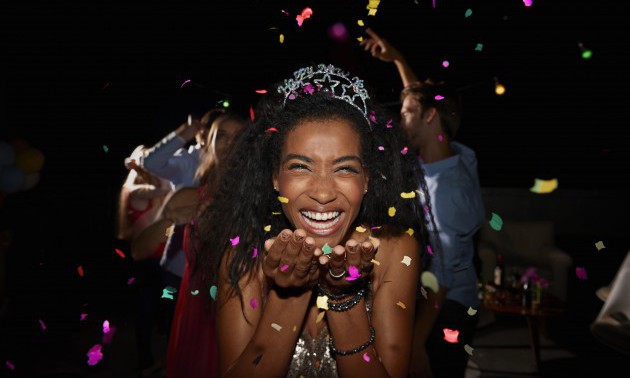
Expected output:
(321, 223)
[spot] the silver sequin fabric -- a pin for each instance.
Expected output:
(311, 358)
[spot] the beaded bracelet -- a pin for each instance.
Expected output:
(347, 305)
(334, 352)
(330, 295)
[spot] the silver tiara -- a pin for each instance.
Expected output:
(330, 79)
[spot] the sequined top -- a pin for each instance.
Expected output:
(312, 358)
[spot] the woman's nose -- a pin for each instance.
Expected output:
(323, 189)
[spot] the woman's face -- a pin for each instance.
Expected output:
(322, 175)
(220, 140)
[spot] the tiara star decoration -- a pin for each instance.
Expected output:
(328, 78)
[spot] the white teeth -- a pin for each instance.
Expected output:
(320, 216)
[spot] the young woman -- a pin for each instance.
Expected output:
(316, 237)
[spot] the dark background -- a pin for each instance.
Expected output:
(86, 82)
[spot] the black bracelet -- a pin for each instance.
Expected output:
(347, 305)
(334, 352)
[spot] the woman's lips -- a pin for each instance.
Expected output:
(327, 225)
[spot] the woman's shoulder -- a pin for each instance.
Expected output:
(394, 247)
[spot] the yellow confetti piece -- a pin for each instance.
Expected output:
(375, 262)
(410, 231)
(372, 12)
(360, 22)
(373, 4)
(322, 302)
(283, 199)
(268, 228)
(360, 229)
(406, 260)
(374, 240)
(429, 280)
(294, 328)
(276, 213)
(469, 349)
(281, 38)
(391, 211)
(544, 186)
(401, 305)
(276, 326)
(360, 39)
(320, 316)
(168, 230)
(471, 311)
(600, 245)
(411, 194)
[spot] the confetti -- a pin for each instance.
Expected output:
(375, 262)
(253, 303)
(120, 253)
(105, 148)
(471, 311)
(255, 253)
(284, 267)
(445, 64)
(275, 213)
(429, 250)
(528, 3)
(213, 292)
(440, 137)
(479, 47)
(320, 316)
(42, 324)
(9, 365)
(322, 302)
(581, 273)
(439, 97)
(94, 355)
(276, 326)
(80, 270)
(544, 186)
(410, 231)
(404, 150)
(429, 280)
(366, 357)
(469, 349)
(168, 292)
(326, 249)
(306, 14)
(83, 316)
(354, 273)
(423, 292)
(267, 228)
(106, 326)
(468, 13)
(283, 199)
(372, 12)
(600, 245)
(251, 113)
(261, 91)
(381, 148)
(450, 335)
(281, 38)
(496, 222)
(272, 129)
(130, 280)
(411, 194)
(360, 23)
(235, 240)
(194, 292)
(391, 211)
(406, 260)
(184, 83)
(401, 305)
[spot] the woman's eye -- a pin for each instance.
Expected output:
(348, 168)
(297, 166)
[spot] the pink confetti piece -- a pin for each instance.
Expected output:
(430, 250)
(130, 281)
(94, 355)
(389, 124)
(439, 97)
(261, 91)
(354, 273)
(306, 14)
(106, 326)
(235, 240)
(42, 324)
(426, 209)
(528, 3)
(284, 267)
(373, 116)
(381, 148)
(83, 316)
(80, 270)
(251, 113)
(184, 83)
(309, 89)
(120, 253)
(366, 357)
(445, 64)
(450, 335)
(255, 253)
(253, 302)
(9, 365)
(404, 150)
(581, 273)
(440, 137)
(272, 129)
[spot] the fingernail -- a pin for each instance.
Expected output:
(285, 236)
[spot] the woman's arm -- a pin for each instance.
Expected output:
(257, 339)
(395, 284)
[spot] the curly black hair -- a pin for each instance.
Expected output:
(245, 201)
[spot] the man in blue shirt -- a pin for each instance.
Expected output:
(430, 115)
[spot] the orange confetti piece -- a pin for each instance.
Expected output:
(251, 113)
(320, 316)
(401, 305)
(261, 91)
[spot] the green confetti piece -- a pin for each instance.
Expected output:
(587, 54)
(213, 292)
(479, 47)
(468, 12)
(105, 148)
(194, 292)
(326, 249)
(496, 222)
(168, 292)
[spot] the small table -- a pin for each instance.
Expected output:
(549, 307)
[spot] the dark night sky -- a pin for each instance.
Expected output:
(79, 76)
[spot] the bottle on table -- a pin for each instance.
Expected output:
(499, 272)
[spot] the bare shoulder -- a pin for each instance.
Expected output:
(394, 248)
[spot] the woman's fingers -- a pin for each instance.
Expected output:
(353, 253)
(275, 248)
(337, 263)
(304, 258)
(368, 252)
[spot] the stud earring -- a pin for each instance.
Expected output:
(276, 188)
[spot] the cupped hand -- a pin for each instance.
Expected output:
(292, 260)
(350, 264)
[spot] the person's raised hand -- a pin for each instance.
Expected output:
(348, 265)
(379, 47)
(291, 260)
